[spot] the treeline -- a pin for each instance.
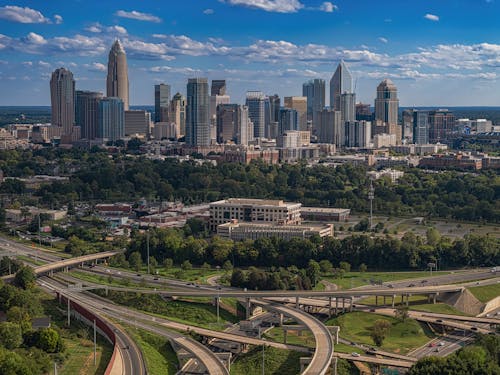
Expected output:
(98, 176)
(409, 252)
(24, 350)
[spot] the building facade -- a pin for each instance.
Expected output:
(137, 123)
(87, 113)
(255, 101)
(314, 91)
(299, 104)
(117, 78)
(387, 105)
(62, 98)
(197, 113)
(111, 121)
(340, 83)
(162, 102)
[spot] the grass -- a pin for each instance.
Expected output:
(486, 293)
(276, 362)
(439, 308)
(159, 355)
(402, 337)
(344, 348)
(30, 260)
(110, 280)
(357, 279)
(277, 334)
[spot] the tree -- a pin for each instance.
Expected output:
(10, 335)
(227, 266)
(433, 236)
(402, 313)
(325, 266)
(379, 331)
(135, 261)
(49, 340)
(205, 267)
(153, 264)
(313, 272)
(238, 278)
(25, 277)
(168, 263)
(345, 266)
(186, 265)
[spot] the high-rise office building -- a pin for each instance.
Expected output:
(273, 105)
(299, 103)
(233, 124)
(255, 101)
(363, 112)
(441, 125)
(289, 120)
(340, 83)
(197, 113)
(330, 127)
(177, 114)
(407, 125)
(117, 79)
(314, 91)
(218, 87)
(137, 123)
(87, 113)
(111, 120)
(62, 98)
(162, 102)
(387, 103)
(348, 106)
(357, 133)
(421, 127)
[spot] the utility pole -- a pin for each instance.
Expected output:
(95, 346)
(55, 368)
(218, 302)
(39, 231)
(371, 196)
(69, 315)
(147, 247)
(263, 360)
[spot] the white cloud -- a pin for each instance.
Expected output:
(33, 38)
(117, 30)
(22, 15)
(58, 19)
(432, 17)
(208, 11)
(328, 7)
(159, 36)
(94, 28)
(43, 64)
(279, 6)
(135, 15)
(383, 40)
(95, 66)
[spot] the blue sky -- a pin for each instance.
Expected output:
(438, 52)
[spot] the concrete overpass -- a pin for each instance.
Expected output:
(375, 360)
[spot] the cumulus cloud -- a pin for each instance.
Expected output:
(328, 7)
(94, 28)
(33, 38)
(95, 66)
(117, 30)
(279, 6)
(22, 15)
(43, 64)
(135, 15)
(58, 19)
(208, 11)
(383, 40)
(431, 17)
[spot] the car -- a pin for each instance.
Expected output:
(138, 274)
(441, 343)
(372, 310)
(353, 343)
(354, 354)
(439, 321)
(432, 344)
(411, 285)
(436, 350)
(155, 278)
(372, 349)
(473, 328)
(390, 286)
(197, 286)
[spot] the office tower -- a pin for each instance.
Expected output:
(299, 103)
(137, 123)
(407, 125)
(441, 125)
(233, 124)
(387, 104)
(357, 134)
(218, 87)
(363, 112)
(216, 100)
(289, 120)
(348, 106)
(87, 112)
(330, 127)
(274, 107)
(421, 127)
(255, 102)
(111, 120)
(314, 91)
(162, 102)
(62, 98)
(178, 114)
(197, 113)
(117, 79)
(340, 83)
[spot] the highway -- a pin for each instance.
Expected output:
(375, 360)
(444, 345)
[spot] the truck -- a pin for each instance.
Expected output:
(495, 269)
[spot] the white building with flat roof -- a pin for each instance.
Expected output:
(251, 231)
(254, 211)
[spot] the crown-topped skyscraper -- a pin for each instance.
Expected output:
(117, 79)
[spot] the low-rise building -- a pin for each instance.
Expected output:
(458, 161)
(393, 174)
(325, 213)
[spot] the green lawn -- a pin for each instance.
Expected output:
(30, 260)
(402, 338)
(486, 293)
(357, 279)
(196, 275)
(110, 280)
(439, 308)
(306, 338)
(276, 362)
(157, 351)
(343, 348)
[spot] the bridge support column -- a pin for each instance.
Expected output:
(351, 304)
(248, 307)
(407, 300)
(402, 298)
(333, 366)
(376, 300)
(69, 312)
(434, 298)
(336, 305)
(281, 319)
(329, 306)
(285, 335)
(106, 289)
(296, 302)
(343, 305)
(384, 301)
(393, 299)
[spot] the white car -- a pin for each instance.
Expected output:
(354, 354)
(441, 343)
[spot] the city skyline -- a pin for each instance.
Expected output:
(437, 54)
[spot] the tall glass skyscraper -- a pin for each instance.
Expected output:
(87, 113)
(387, 103)
(162, 102)
(117, 79)
(340, 83)
(62, 98)
(111, 122)
(197, 113)
(314, 91)
(256, 111)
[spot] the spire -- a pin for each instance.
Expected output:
(117, 47)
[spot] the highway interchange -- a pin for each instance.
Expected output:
(323, 353)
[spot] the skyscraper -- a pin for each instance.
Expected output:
(62, 98)
(289, 120)
(387, 104)
(330, 127)
(314, 91)
(87, 113)
(197, 113)
(218, 87)
(111, 121)
(441, 125)
(256, 111)
(233, 123)
(348, 106)
(299, 103)
(162, 102)
(178, 114)
(117, 79)
(340, 83)
(420, 127)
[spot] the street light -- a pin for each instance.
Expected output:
(371, 196)
(263, 359)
